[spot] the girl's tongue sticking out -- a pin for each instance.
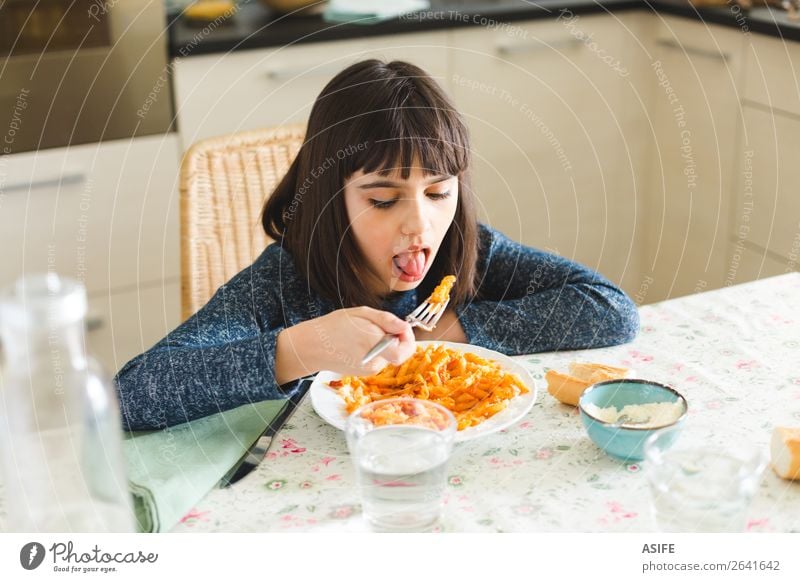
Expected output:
(411, 266)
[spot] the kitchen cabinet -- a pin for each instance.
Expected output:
(767, 203)
(695, 74)
(556, 134)
(105, 214)
(224, 93)
(772, 78)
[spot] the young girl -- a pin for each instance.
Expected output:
(374, 211)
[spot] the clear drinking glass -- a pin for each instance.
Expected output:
(400, 448)
(699, 485)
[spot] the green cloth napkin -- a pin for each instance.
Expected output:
(171, 470)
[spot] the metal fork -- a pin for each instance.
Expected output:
(426, 316)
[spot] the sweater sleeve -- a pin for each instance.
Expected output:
(220, 358)
(534, 301)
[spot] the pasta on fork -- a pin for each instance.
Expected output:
(442, 292)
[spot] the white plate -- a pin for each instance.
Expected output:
(330, 406)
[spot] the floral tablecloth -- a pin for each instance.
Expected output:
(734, 353)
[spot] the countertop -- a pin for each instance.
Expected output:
(732, 352)
(254, 26)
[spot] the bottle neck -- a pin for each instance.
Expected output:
(41, 323)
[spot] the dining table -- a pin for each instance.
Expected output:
(734, 353)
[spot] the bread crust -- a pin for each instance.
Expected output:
(567, 388)
(785, 452)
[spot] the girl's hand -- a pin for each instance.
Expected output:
(339, 340)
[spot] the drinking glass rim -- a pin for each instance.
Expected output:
(749, 453)
(451, 427)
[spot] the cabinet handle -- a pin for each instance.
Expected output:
(290, 72)
(537, 46)
(693, 51)
(93, 323)
(74, 178)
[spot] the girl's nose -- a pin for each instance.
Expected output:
(415, 220)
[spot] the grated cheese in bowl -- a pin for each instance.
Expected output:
(651, 415)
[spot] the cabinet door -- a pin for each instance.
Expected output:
(549, 108)
(225, 93)
(105, 214)
(123, 325)
(767, 211)
(692, 169)
(773, 73)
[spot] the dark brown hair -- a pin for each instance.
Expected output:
(376, 117)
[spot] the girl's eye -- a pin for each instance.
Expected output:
(385, 204)
(381, 204)
(439, 195)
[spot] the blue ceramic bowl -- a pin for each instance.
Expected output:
(625, 443)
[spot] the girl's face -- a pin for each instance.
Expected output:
(400, 224)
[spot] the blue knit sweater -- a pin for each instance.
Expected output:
(224, 355)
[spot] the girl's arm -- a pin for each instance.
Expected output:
(220, 358)
(533, 301)
(247, 345)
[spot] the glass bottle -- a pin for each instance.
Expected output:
(60, 430)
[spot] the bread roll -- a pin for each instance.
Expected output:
(568, 388)
(785, 452)
(564, 387)
(586, 371)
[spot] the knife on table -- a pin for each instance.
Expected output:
(260, 448)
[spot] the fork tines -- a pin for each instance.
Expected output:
(427, 315)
